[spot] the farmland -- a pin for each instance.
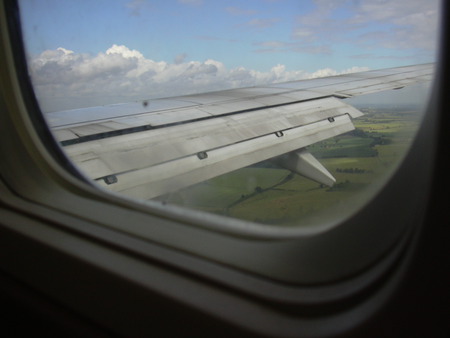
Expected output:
(267, 194)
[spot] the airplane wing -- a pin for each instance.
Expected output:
(149, 148)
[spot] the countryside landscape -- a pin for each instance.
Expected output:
(267, 194)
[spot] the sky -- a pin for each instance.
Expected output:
(96, 52)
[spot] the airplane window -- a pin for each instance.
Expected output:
(272, 112)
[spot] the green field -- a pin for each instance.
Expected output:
(266, 194)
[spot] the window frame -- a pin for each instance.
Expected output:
(329, 275)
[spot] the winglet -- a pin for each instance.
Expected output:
(305, 164)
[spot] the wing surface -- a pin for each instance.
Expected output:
(146, 149)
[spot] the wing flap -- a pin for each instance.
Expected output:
(149, 182)
(152, 147)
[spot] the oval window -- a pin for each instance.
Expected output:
(265, 111)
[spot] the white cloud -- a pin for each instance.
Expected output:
(180, 58)
(262, 23)
(240, 11)
(304, 34)
(396, 24)
(124, 51)
(135, 6)
(332, 72)
(414, 23)
(65, 79)
(296, 46)
(271, 44)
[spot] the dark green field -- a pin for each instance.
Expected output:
(270, 195)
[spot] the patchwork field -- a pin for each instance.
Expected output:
(266, 194)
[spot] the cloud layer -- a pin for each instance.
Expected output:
(369, 24)
(64, 79)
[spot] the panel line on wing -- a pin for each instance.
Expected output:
(204, 154)
(166, 177)
(125, 131)
(161, 145)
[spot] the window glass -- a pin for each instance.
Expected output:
(86, 58)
